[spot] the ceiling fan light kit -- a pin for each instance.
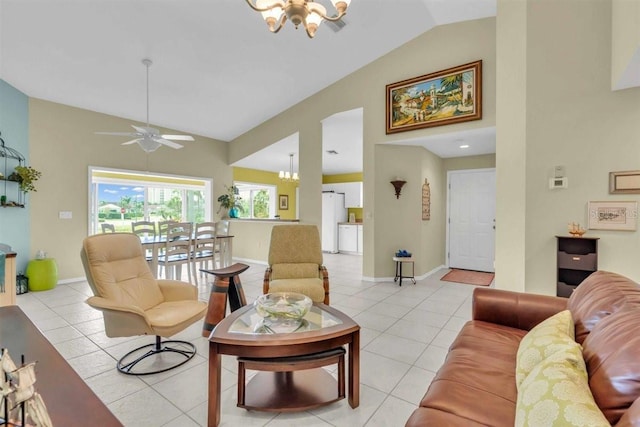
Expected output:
(148, 138)
(306, 12)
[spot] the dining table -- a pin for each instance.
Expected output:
(158, 242)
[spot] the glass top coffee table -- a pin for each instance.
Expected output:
(243, 334)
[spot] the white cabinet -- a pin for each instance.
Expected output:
(352, 192)
(350, 238)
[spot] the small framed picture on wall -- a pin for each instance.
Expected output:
(283, 202)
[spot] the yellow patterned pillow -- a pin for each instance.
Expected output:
(556, 393)
(548, 337)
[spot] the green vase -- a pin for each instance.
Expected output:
(233, 212)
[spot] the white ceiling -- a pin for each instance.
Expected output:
(217, 71)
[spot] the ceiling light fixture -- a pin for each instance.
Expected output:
(464, 146)
(306, 12)
(289, 176)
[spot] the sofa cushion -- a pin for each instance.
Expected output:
(599, 295)
(556, 392)
(548, 337)
(477, 380)
(612, 354)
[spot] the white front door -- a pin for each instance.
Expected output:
(472, 213)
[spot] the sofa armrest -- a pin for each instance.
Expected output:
(515, 309)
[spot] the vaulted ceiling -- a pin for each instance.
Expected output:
(217, 71)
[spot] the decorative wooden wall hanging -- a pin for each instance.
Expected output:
(426, 201)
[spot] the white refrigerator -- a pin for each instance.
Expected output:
(333, 212)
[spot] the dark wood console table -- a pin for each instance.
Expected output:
(69, 400)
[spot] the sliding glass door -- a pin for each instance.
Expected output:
(120, 197)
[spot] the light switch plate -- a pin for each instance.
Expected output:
(65, 215)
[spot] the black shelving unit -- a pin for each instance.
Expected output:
(577, 259)
(13, 197)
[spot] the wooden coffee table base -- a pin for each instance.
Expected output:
(290, 391)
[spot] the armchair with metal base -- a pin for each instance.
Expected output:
(295, 263)
(134, 303)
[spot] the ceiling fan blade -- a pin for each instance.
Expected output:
(117, 133)
(146, 130)
(178, 137)
(167, 143)
(133, 141)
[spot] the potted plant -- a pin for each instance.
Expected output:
(25, 176)
(230, 201)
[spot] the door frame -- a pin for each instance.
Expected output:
(447, 217)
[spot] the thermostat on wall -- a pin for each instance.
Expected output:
(558, 182)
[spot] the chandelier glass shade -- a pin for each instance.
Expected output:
(306, 12)
(290, 175)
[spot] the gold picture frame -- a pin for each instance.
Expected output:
(441, 98)
(613, 215)
(624, 182)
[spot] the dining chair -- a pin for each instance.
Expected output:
(163, 227)
(108, 228)
(145, 230)
(177, 250)
(203, 249)
(222, 245)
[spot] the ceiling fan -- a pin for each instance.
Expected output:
(148, 138)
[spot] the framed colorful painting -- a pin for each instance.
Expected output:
(445, 97)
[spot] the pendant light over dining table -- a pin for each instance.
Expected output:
(306, 12)
(290, 175)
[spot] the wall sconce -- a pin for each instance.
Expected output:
(397, 184)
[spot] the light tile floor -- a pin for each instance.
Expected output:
(404, 338)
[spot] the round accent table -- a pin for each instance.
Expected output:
(42, 274)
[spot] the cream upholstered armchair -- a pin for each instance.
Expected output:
(295, 263)
(134, 303)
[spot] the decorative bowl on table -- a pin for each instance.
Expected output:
(283, 308)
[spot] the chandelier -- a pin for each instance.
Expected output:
(305, 12)
(289, 176)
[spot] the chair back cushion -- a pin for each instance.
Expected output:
(117, 270)
(295, 244)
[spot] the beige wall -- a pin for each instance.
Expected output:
(625, 41)
(62, 145)
(511, 126)
(572, 119)
(440, 48)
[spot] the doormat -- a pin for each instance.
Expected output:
(469, 277)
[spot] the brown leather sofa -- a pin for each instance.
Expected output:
(476, 384)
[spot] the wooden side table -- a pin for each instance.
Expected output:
(226, 284)
(399, 275)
